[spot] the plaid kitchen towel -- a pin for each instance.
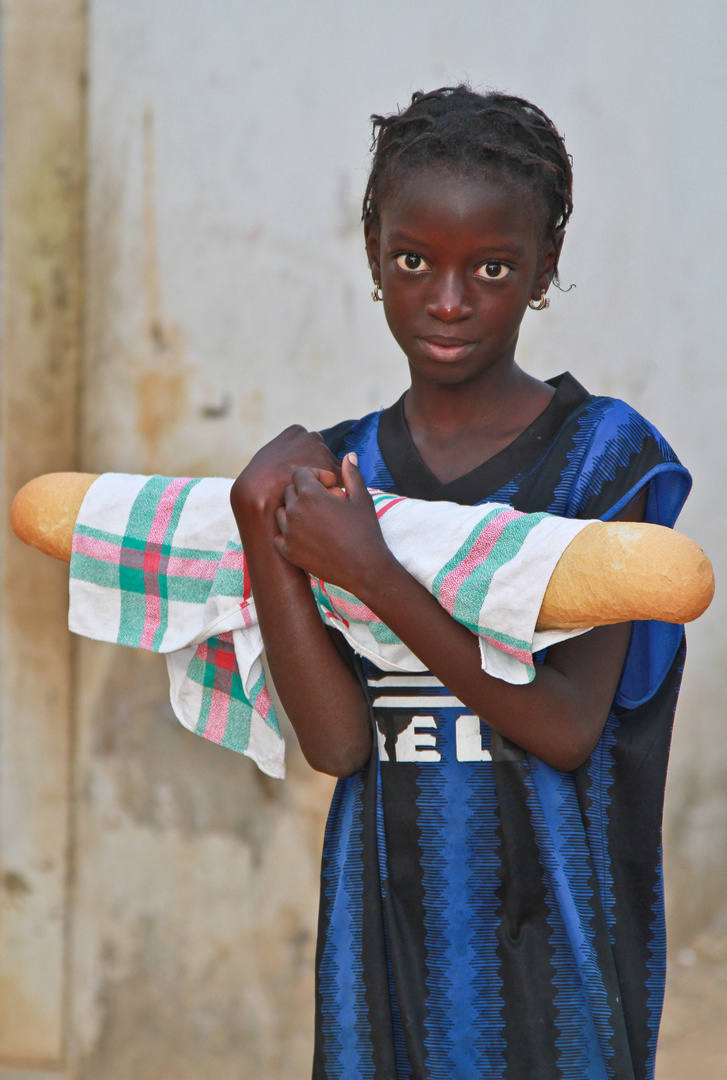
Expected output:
(157, 564)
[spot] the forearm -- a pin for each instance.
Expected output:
(319, 692)
(555, 717)
(559, 716)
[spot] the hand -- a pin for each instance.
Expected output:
(261, 484)
(330, 533)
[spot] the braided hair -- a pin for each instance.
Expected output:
(458, 129)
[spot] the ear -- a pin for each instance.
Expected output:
(548, 263)
(372, 237)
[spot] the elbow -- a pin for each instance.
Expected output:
(339, 761)
(566, 760)
(340, 768)
(571, 751)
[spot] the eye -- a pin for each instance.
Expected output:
(412, 262)
(493, 270)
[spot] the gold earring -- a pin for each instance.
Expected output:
(376, 294)
(543, 303)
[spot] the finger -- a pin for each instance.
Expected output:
(319, 439)
(353, 481)
(304, 479)
(281, 518)
(289, 496)
(326, 477)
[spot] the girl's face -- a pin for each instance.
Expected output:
(458, 258)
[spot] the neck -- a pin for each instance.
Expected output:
(493, 401)
(455, 428)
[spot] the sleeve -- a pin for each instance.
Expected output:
(624, 454)
(335, 437)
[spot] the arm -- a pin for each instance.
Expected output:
(610, 572)
(321, 695)
(559, 716)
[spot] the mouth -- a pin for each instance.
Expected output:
(439, 347)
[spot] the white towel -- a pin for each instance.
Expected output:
(157, 564)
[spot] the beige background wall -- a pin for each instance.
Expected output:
(158, 894)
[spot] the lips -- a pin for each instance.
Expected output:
(444, 348)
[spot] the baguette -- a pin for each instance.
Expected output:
(44, 512)
(611, 572)
(616, 571)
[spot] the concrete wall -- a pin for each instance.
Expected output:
(227, 295)
(43, 63)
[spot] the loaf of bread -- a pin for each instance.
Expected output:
(616, 571)
(611, 572)
(44, 512)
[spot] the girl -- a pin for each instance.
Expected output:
(491, 901)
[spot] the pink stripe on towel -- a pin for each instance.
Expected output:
(478, 553)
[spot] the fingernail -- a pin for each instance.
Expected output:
(353, 458)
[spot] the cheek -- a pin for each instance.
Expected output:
(398, 306)
(394, 319)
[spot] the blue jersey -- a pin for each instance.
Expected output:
(483, 915)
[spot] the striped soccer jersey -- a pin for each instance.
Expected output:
(483, 915)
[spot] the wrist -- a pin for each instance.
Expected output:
(251, 499)
(378, 575)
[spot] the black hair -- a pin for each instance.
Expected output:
(459, 129)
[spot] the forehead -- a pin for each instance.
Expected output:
(436, 201)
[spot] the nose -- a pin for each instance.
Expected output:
(448, 300)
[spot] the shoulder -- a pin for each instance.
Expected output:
(363, 437)
(610, 421)
(335, 437)
(351, 434)
(617, 452)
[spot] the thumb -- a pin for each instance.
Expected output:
(353, 481)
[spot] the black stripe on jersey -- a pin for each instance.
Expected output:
(404, 891)
(533, 490)
(375, 973)
(404, 904)
(414, 479)
(523, 946)
(640, 756)
(375, 970)
(319, 1060)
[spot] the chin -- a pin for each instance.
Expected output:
(447, 378)
(444, 373)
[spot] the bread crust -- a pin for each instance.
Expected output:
(44, 512)
(617, 571)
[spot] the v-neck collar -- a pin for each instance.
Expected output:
(414, 479)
